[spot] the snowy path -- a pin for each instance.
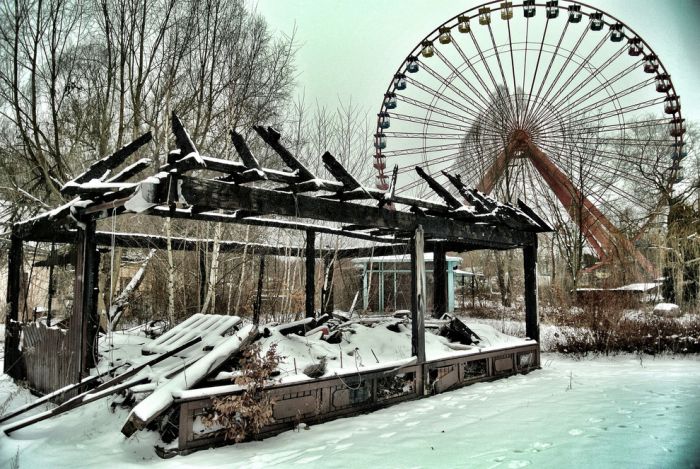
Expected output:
(602, 413)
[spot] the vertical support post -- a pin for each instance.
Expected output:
(381, 287)
(473, 290)
(365, 288)
(327, 300)
(532, 320)
(202, 263)
(310, 273)
(84, 322)
(440, 283)
(258, 297)
(49, 303)
(394, 294)
(450, 288)
(12, 362)
(418, 304)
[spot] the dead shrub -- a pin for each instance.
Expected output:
(242, 416)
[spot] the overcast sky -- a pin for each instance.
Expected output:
(350, 49)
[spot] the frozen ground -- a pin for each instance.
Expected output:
(603, 412)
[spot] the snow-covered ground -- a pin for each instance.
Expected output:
(602, 412)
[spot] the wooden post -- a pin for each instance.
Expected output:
(51, 292)
(365, 287)
(532, 320)
(85, 321)
(327, 299)
(258, 296)
(12, 362)
(473, 290)
(310, 273)
(202, 263)
(380, 288)
(418, 302)
(439, 281)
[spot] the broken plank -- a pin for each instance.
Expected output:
(339, 172)
(183, 140)
(162, 398)
(243, 151)
(99, 168)
(59, 392)
(272, 138)
(449, 199)
(78, 401)
(154, 361)
(131, 170)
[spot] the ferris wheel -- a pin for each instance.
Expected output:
(556, 103)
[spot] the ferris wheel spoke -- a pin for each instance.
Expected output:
(421, 135)
(448, 84)
(581, 118)
(549, 67)
(437, 96)
(613, 155)
(562, 68)
(537, 67)
(597, 83)
(583, 64)
(615, 112)
(611, 170)
(432, 122)
(498, 89)
(503, 75)
(435, 109)
(422, 149)
(515, 85)
(463, 79)
(601, 87)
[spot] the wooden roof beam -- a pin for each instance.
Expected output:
(444, 194)
(272, 138)
(244, 151)
(220, 195)
(188, 214)
(99, 168)
(339, 172)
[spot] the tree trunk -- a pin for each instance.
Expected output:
(171, 275)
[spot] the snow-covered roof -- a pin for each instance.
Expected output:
(401, 258)
(468, 273)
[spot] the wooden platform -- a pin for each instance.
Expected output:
(320, 400)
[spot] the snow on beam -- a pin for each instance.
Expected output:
(184, 142)
(99, 168)
(188, 214)
(439, 189)
(272, 138)
(243, 151)
(339, 172)
(218, 195)
(162, 398)
(94, 187)
(131, 170)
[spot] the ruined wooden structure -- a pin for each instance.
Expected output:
(194, 186)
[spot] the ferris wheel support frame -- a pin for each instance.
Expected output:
(603, 236)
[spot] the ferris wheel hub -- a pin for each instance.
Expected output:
(518, 143)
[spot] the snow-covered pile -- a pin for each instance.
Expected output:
(667, 309)
(363, 346)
